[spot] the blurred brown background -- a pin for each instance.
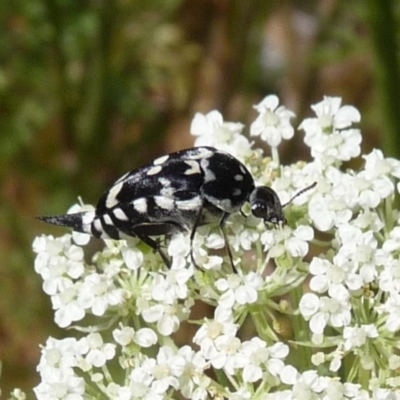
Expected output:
(92, 88)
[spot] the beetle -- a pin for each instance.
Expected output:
(174, 193)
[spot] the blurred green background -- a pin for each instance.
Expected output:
(92, 88)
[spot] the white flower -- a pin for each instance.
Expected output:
(308, 305)
(356, 245)
(179, 245)
(117, 392)
(221, 324)
(372, 189)
(239, 289)
(218, 342)
(132, 257)
(140, 380)
(144, 337)
(333, 310)
(389, 278)
(98, 292)
(304, 385)
(327, 211)
(124, 335)
(368, 220)
(297, 245)
(338, 390)
(223, 353)
(62, 385)
(262, 359)
(326, 134)
(356, 336)
(358, 255)
(340, 272)
(273, 122)
(167, 316)
(165, 369)
(393, 242)
(63, 355)
(341, 146)
(330, 116)
(56, 367)
(377, 165)
(215, 241)
(67, 305)
(245, 239)
(193, 382)
(392, 308)
(99, 352)
(58, 261)
(171, 285)
(211, 129)
(386, 394)
(285, 239)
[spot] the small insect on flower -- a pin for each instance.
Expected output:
(176, 192)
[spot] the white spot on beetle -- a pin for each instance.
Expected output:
(238, 177)
(164, 181)
(160, 160)
(165, 203)
(168, 191)
(194, 168)
(97, 225)
(237, 192)
(208, 174)
(191, 204)
(140, 205)
(200, 152)
(243, 169)
(111, 200)
(107, 219)
(155, 170)
(224, 204)
(119, 214)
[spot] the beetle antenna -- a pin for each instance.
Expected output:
(300, 193)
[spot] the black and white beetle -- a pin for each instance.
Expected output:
(176, 192)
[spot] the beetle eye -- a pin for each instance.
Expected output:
(259, 210)
(265, 204)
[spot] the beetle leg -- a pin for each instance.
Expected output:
(227, 247)
(144, 230)
(195, 225)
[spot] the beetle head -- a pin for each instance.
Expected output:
(265, 204)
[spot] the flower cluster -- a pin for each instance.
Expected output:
(311, 312)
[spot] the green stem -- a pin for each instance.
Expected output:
(275, 155)
(382, 24)
(221, 378)
(301, 332)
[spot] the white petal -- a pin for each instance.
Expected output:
(309, 304)
(153, 314)
(289, 375)
(318, 322)
(345, 116)
(145, 337)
